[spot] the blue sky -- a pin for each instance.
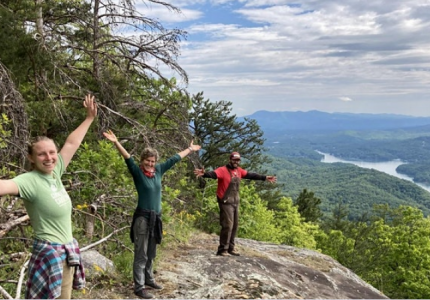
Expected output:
(358, 56)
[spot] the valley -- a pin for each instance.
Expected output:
(291, 143)
(388, 167)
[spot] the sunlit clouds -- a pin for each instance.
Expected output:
(302, 56)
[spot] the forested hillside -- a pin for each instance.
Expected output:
(357, 189)
(297, 134)
(298, 164)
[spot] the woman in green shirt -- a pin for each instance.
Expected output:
(146, 228)
(49, 207)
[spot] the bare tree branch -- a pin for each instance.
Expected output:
(21, 278)
(4, 293)
(103, 239)
(10, 225)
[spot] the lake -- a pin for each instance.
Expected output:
(388, 167)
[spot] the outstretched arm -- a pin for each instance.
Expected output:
(271, 179)
(255, 176)
(111, 137)
(189, 150)
(202, 173)
(8, 187)
(199, 172)
(74, 140)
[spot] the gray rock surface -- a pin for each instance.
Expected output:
(265, 271)
(95, 263)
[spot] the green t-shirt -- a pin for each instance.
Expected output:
(47, 203)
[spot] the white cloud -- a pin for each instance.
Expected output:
(305, 55)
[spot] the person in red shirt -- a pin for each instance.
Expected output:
(229, 177)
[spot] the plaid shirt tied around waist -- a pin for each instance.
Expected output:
(45, 273)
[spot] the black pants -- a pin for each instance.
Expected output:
(229, 221)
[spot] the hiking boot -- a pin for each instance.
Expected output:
(154, 285)
(222, 253)
(233, 252)
(144, 294)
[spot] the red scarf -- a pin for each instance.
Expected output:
(148, 174)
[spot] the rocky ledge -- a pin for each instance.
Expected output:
(263, 270)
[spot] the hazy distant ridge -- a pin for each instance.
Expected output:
(317, 120)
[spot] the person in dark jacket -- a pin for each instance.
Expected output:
(229, 177)
(146, 227)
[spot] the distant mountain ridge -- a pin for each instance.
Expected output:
(321, 121)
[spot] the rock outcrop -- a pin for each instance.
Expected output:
(95, 263)
(263, 270)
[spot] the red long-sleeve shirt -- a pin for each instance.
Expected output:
(224, 177)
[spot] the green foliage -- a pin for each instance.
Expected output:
(220, 133)
(409, 145)
(163, 113)
(357, 188)
(420, 172)
(402, 272)
(99, 168)
(8, 270)
(207, 212)
(4, 134)
(283, 225)
(391, 251)
(338, 219)
(334, 244)
(294, 230)
(20, 53)
(255, 220)
(124, 265)
(308, 206)
(98, 176)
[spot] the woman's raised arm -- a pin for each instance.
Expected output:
(112, 137)
(74, 140)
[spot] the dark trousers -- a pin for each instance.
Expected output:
(144, 254)
(229, 221)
